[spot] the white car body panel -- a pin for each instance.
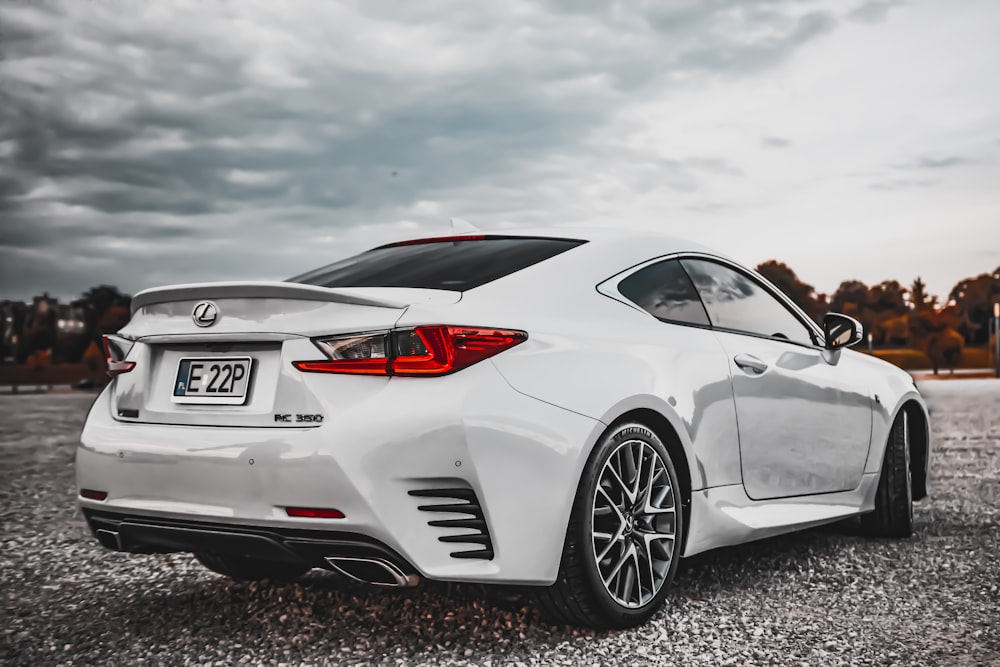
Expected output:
(790, 456)
(187, 472)
(517, 428)
(726, 515)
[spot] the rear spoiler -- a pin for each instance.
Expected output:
(258, 289)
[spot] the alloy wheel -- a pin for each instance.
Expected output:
(634, 523)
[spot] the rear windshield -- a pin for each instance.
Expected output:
(446, 265)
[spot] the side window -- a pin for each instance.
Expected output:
(736, 301)
(665, 292)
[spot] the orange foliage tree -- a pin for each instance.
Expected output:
(934, 330)
(802, 293)
(974, 299)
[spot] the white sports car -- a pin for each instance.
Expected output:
(573, 411)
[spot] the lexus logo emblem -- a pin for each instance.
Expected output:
(205, 314)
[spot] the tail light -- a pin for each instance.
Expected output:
(314, 512)
(425, 351)
(116, 349)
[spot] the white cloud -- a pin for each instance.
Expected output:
(255, 177)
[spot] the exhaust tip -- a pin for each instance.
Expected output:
(109, 538)
(377, 571)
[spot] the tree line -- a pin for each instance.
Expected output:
(46, 331)
(895, 315)
(903, 316)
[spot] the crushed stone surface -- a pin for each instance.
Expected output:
(826, 596)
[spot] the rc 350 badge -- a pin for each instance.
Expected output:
(299, 419)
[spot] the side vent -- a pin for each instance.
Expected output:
(459, 501)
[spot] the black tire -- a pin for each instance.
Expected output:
(579, 595)
(241, 568)
(893, 515)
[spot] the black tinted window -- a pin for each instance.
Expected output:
(665, 292)
(736, 301)
(448, 265)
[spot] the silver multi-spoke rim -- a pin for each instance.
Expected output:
(635, 523)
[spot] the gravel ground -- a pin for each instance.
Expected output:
(823, 597)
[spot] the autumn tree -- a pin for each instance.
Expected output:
(919, 299)
(114, 318)
(881, 308)
(39, 332)
(888, 298)
(801, 293)
(102, 297)
(851, 298)
(974, 299)
(106, 310)
(888, 312)
(934, 332)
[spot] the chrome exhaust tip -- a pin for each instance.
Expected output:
(377, 571)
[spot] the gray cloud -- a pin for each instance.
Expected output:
(924, 164)
(900, 184)
(944, 162)
(762, 52)
(134, 137)
(160, 142)
(874, 11)
(775, 142)
(711, 207)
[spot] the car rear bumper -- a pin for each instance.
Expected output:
(357, 556)
(457, 478)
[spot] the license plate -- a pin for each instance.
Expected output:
(218, 380)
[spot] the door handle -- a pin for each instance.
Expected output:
(748, 362)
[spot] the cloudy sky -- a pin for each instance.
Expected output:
(148, 143)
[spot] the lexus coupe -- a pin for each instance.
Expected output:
(570, 410)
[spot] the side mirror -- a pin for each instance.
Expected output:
(841, 331)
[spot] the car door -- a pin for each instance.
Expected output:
(803, 414)
(697, 382)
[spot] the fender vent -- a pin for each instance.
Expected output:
(459, 501)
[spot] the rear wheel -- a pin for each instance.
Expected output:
(623, 541)
(241, 568)
(893, 515)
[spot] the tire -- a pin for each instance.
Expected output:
(626, 531)
(893, 515)
(251, 569)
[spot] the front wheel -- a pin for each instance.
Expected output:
(623, 540)
(893, 515)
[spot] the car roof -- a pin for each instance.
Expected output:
(642, 243)
(605, 252)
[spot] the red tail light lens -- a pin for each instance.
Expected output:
(91, 494)
(116, 349)
(426, 351)
(437, 350)
(314, 512)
